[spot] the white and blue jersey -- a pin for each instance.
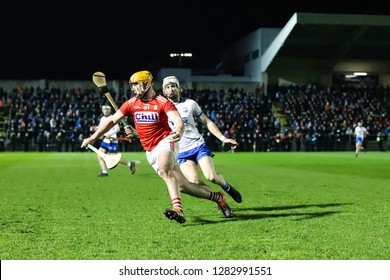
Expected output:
(192, 144)
(111, 145)
(360, 132)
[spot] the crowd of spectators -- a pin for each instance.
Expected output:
(323, 119)
(51, 120)
(318, 119)
(244, 116)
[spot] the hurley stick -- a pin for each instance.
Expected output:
(110, 160)
(99, 79)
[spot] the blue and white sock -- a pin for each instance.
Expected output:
(227, 187)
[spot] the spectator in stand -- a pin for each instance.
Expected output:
(379, 140)
(298, 140)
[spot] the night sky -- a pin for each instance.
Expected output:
(72, 39)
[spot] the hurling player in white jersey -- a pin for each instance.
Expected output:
(360, 133)
(110, 142)
(193, 150)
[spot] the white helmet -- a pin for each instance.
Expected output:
(105, 106)
(173, 94)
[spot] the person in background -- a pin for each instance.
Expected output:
(360, 133)
(109, 144)
(193, 151)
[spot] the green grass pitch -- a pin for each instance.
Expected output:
(296, 206)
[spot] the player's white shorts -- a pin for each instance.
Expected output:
(165, 144)
(359, 140)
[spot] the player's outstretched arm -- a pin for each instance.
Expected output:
(106, 126)
(212, 127)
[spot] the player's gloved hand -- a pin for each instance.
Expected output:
(87, 141)
(130, 131)
(175, 136)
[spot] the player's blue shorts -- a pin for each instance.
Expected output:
(359, 140)
(195, 154)
(110, 147)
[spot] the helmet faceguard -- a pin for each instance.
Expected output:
(144, 79)
(169, 91)
(106, 109)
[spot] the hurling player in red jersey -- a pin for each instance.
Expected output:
(151, 113)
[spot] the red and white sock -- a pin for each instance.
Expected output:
(216, 196)
(176, 204)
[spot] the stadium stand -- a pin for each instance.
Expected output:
(57, 120)
(295, 91)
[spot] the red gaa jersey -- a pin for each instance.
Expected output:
(150, 119)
